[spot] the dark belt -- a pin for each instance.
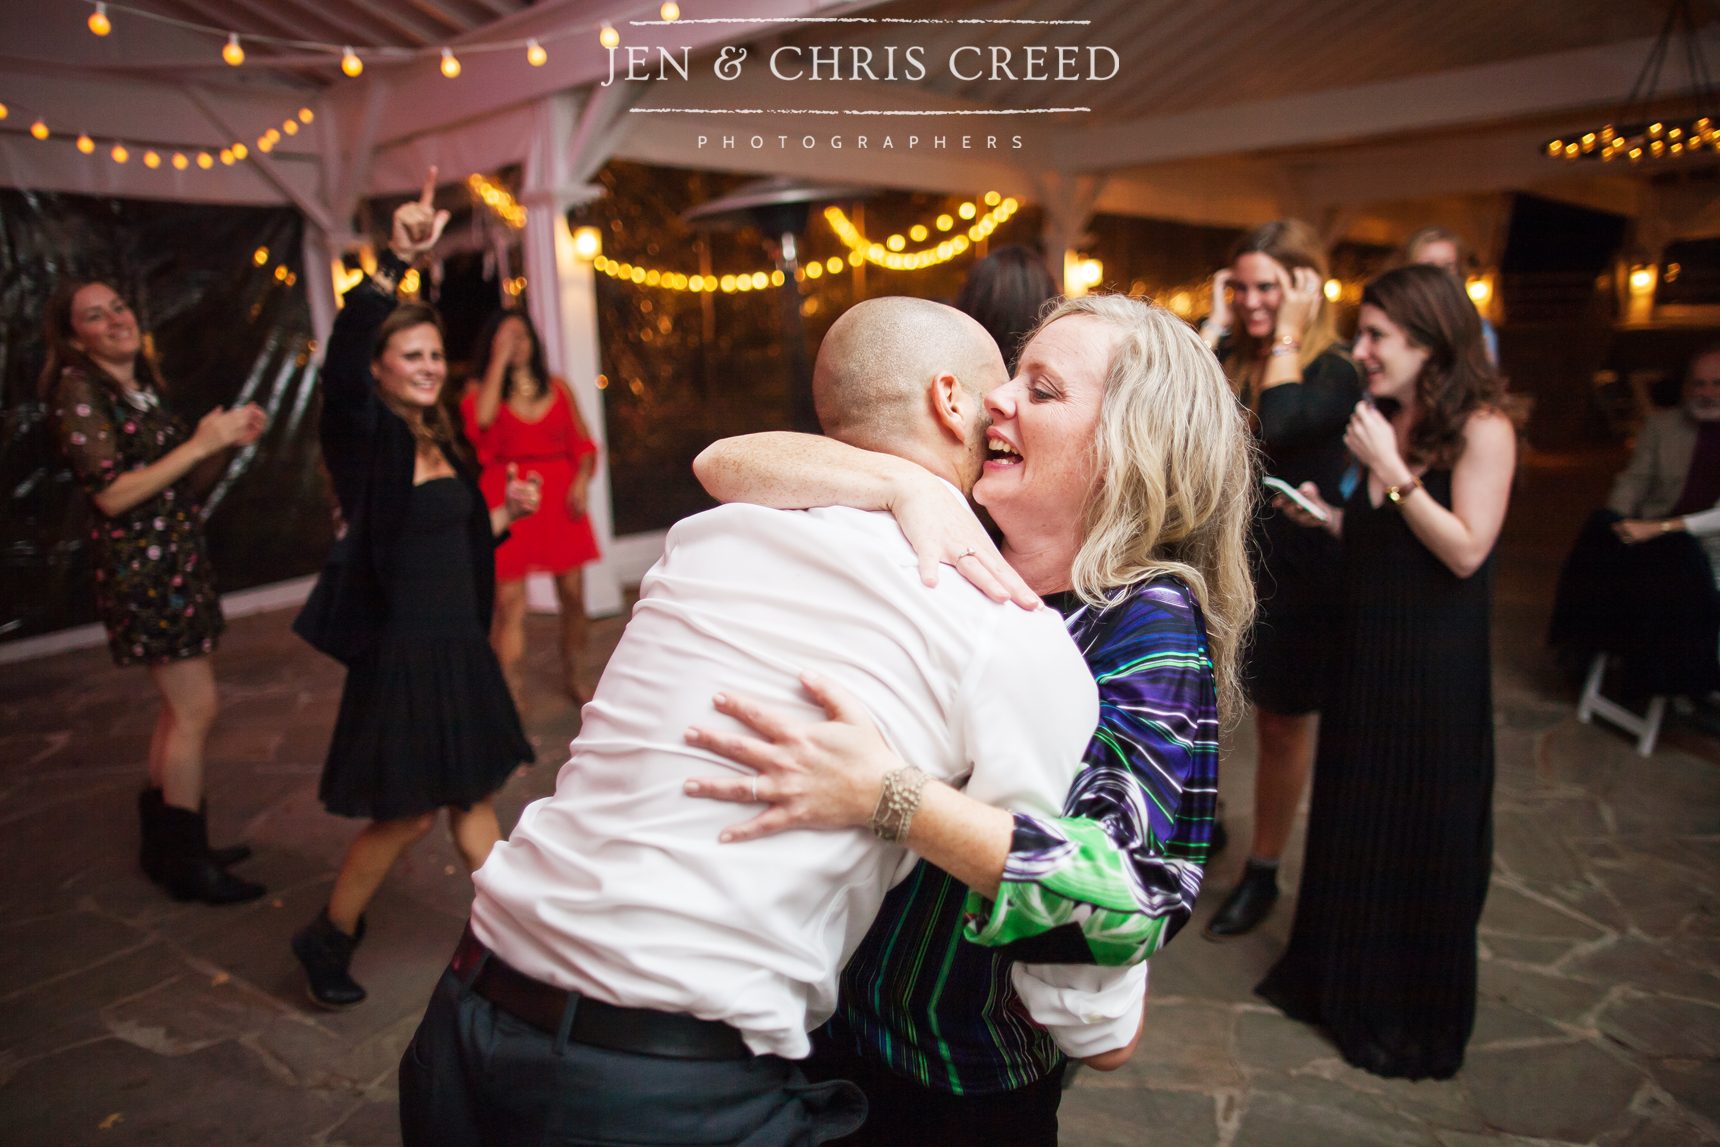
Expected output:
(641, 1031)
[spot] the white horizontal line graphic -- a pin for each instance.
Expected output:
(847, 111)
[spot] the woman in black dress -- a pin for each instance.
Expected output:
(1382, 952)
(404, 600)
(154, 588)
(1299, 383)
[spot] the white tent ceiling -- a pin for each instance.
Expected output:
(1360, 112)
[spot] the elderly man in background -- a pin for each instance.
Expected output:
(1641, 580)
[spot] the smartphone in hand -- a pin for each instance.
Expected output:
(1281, 486)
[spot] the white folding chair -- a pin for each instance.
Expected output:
(1646, 727)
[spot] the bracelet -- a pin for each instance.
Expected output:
(898, 801)
(1398, 493)
(1286, 345)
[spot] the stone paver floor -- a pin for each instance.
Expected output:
(125, 1018)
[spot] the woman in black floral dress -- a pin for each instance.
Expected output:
(153, 584)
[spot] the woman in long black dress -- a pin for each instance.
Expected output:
(425, 719)
(1299, 383)
(1382, 952)
(154, 588)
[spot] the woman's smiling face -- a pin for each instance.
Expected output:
(411, 366)
(103, 327)
(1039, 468)
(1390, 360)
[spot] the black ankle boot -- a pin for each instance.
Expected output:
(152, 854)
(188, 869)
(1248, 904)
(326, 953)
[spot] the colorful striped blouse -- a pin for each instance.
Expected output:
(1110, 882)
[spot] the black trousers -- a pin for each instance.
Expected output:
(475, 1076)
(902, 1113)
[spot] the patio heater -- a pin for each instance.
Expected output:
(779, 207)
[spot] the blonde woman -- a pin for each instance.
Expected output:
(1299, 384)
(1121, 475)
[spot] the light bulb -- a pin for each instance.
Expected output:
(450, 66)
(180, 163)
(272, 136)
(945, 223)
(833, 264)
(233, 53)
(992, 199)
(291, 126)
(86, 144)
(609, 37)
(670, 11)
(205, 160)
(264, 144)
(350, 63)
(239, 151)
(306, 115)
(99, 22)
(535, 55)
(1334, 289)
(119, 153)
(151, 160)
(227, 156)
(587, 242)
(39, 130)
(917, 232)
(966, 211)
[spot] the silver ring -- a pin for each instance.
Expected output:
(755, 789)
(967, 554)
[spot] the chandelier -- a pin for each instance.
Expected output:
(1637, 135)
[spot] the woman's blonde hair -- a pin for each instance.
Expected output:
(1176, 485)
(1290, 243)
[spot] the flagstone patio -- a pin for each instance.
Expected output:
(125, 1018)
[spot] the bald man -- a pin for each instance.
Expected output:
(626, 977)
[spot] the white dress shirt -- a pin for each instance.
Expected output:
(616, 886)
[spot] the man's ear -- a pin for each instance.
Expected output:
(948, 396)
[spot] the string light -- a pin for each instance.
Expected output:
(39, 130)
(239, 151)
(499, 200)
(86, 144)
(290, 126)
(180, 163)
(352, 64)
(891, 254)
(151, 160)
(670, 11)
(119, 153)
(306, 115)
(227, 156)
(675, 281)
(205, 160)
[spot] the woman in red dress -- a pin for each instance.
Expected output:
(518, 416)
